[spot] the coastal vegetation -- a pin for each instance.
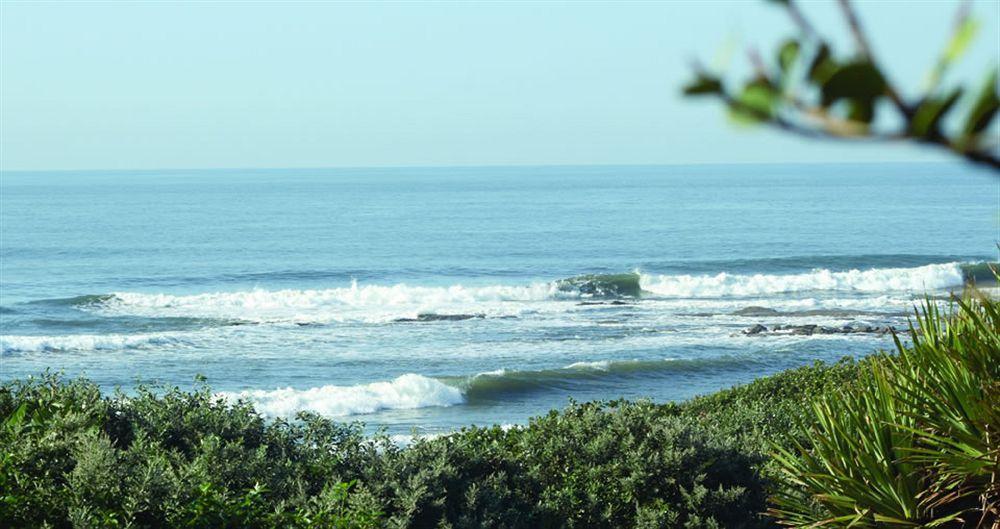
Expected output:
(893, 440)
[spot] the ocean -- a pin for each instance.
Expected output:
(422, 300)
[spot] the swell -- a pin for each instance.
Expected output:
(413, 391)
(497, 386)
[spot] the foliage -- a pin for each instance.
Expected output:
(808, 90)
(72, 458)
(915, 444)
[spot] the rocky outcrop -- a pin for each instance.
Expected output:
(811, 329)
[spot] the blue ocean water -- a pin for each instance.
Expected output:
(430, 298)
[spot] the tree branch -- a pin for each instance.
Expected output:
(834, 131)
(866, 50)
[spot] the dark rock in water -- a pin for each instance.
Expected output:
(755, 311)
(439, 317)
(806, 330)
(811, 329)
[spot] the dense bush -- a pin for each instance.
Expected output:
(617, 464)
(70, 457)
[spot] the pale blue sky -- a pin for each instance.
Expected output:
(168, 85)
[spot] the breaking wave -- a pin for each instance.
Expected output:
(406, 303)
(411, 391)
(918, 280)
(85, 342)
(405, 392)
(369, 303)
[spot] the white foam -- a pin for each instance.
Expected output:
(371, 303)
(405, 392)
(380, 303)
(84, 342)
(495, 373)
(599, 365)
(918, 280)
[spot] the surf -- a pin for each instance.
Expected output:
(415, 391)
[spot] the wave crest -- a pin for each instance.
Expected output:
(84, 342)
(408, 391)
(405, 303)
(919, 279)
(369, 303)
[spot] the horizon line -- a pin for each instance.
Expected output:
(485, 166)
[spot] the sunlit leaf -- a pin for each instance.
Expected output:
(757, 102)
(787, 54)
(960, 41)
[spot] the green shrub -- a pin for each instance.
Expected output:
(616, 464)
(70, 457)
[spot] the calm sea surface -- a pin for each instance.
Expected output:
(430, 299)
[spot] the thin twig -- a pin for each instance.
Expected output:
(800, 19)
(866, 51)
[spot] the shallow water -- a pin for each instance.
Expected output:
(431, 298)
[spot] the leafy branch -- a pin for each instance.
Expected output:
(809, 92)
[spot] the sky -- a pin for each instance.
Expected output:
(161, 85)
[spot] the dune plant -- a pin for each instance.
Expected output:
(916, 442)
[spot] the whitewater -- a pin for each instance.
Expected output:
(424, 301)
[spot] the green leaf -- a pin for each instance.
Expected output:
(822, 66)
(931, 111)
(17, 416)
(757, 102)
(984, 108)
(787, 54)
(703, 85)
(961, 39)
